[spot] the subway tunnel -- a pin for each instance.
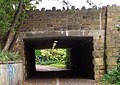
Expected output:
(81, 48)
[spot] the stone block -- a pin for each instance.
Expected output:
(115, 51)
(99, 72)
(98, 61)
(97, 77)
(109, 52)
(99, 67)
(112, 61)
(98, 53)
(102, 71)
(111, 67)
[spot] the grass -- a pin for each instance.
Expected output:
(58, 65)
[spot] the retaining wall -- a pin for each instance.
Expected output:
(11, 73)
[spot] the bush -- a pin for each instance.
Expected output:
(58, 65)
(112, 77)
(51, 56)
(9, 56)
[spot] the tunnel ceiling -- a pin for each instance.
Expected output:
(63, 42)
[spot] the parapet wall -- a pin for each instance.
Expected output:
(71, 19)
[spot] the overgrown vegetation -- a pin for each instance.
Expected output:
(112, 77)
(58, 65)
(9, 56)
(7, 12)
(12, 14)
(53, 57)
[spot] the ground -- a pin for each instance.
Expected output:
(56, 80)
(59, 81)
(48, 68)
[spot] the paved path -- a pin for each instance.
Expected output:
(48, 68)
(55, 80)
(59, 81)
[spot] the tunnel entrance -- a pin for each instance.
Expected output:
(80, 48)
(54, 59)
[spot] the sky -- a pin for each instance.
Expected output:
(48, 4)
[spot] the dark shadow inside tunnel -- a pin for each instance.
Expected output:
(81, 48)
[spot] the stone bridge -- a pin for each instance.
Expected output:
(90, 34)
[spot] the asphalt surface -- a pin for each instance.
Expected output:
(48, 68)
(49, 76)
(59, 81)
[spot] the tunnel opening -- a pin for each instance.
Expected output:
(80, 58)
(52, 59)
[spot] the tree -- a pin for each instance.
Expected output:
(51, 56)
(90, 2)
(10, 11)
(13, 25)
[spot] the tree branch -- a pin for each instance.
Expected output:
(13, 25)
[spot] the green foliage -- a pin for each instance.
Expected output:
(112, 77)
(9, 56)
(7, 12)
(47, 62)
(51, 56)
(37, 53)
(58, 65)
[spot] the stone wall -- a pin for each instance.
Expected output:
(113, 36)
(87, 19)
(11, 73)
(90, 22)
(63, 20)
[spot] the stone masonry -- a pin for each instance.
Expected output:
(98, 23)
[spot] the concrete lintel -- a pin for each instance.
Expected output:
(61, 33)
